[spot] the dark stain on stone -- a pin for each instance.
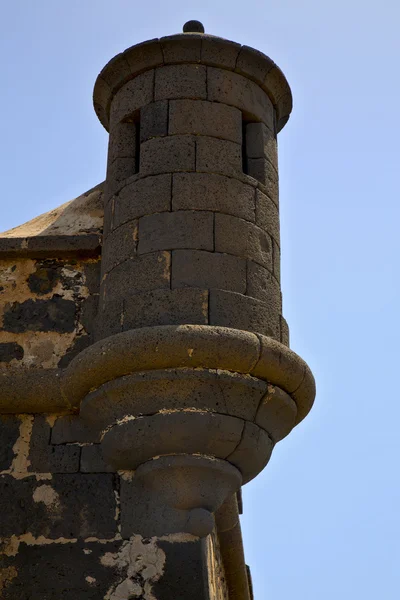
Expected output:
(55, 314)
(86, 507)
(92, 275)
(9, 433)
(80, 343)
(184, 572)
(89, 310)
(43, 280)
(60, 571)
(50, 272)
(10, 351)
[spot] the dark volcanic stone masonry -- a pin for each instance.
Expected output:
(145, 373)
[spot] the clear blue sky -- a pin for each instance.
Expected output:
(322, 521)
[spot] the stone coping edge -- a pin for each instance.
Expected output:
(189, 346)
(61, 391)
(50, 246)
(32, 391)
(194, 48)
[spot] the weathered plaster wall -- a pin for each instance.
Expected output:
(60, 531)
(47, 310)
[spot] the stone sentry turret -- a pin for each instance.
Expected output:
(187, 381)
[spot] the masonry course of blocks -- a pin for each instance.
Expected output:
(188, 234)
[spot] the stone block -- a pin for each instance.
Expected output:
(91, 270)
(108, 222)
(80, 343)
(253, 452)
(154, 120)
(143, 438)
(66, 506)
(149, 392)
(262, 170)
(143, 197)
(279, 364)
(270, 187)
(122, 141)
(144, 56)
(170, 231)
(236, 90)
(304, 395)
(241, 238)
(92, 460)
(101, 95)
(115, 71)
(9, 434)
(55, 571)
(183, 575)
(199, 117)
(120, 245)
(196, 268)
(229, 309)
(261, 284)
(277, 413)
(117, 172)
(181, 81)
(168, 154)
(139, 274)
(253, 63)
(166, 307)
(204, 191)
(283, 110)
(219, 53)
(89, 308)
(45, 458)
(276, 261)
(261, 143)
(227, 516)
(55, 314)
(131, 97)
(110, 316)
(276, 84)
(285, 334)
(267, 216)
(181, 48)
(70, 429)
(218, 156)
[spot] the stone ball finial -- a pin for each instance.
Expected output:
(193, 27)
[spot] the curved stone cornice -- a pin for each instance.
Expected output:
(32, 391)
(192, 48)
(192, 346)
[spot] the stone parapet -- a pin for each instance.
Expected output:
(196, 49)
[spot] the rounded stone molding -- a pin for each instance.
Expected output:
(133, 441)
(197, 48)
(178, 494)
(146, 393)
(190, 346)
(32, 391)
